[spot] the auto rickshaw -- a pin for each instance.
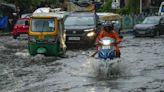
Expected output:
(46, 34)
(113, 18)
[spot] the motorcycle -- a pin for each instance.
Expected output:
(106, 49)
(106, 52)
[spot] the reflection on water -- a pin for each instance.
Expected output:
(140, 69)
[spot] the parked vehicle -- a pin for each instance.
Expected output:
(161, 9)
(8, 16)
(21, 27)
(81, 28)
(151, 26)
(46, 33)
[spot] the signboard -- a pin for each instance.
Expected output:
(115, 4)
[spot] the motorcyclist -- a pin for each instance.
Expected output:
(108, 30)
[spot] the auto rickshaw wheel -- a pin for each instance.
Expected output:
(63, 53)
(31, 52)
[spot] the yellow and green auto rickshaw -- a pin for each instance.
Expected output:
(46, 34)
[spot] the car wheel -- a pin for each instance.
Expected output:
(15, 37)
(157, 33)
(136, 36)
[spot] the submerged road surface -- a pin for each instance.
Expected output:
(141, 69)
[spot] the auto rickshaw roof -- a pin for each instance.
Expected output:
(48, 12)
(58, 16)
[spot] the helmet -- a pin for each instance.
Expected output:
(107, 25)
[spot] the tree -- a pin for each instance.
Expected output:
(133, 6)
(106, 7)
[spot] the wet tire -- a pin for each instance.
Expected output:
(157, 33)
(63, 54)
(15, 37)
(136, 36)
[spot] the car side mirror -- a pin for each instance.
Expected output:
(26, 23)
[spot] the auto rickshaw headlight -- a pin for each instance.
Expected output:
(90, 34)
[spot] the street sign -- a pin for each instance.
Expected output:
(115, 4)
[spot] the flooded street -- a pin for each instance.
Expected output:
(141, 69)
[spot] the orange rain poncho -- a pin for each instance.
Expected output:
(113, 35)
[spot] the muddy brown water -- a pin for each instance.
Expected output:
(141, 69)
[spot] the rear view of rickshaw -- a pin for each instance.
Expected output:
(46, 33)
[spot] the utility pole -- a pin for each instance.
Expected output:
(140, 6)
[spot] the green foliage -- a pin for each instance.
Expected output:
(133, 6)
(106, 7)
(124, 10)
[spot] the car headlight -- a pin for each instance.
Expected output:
(88, 30)
(90, 34)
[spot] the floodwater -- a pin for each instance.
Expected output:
(141, 68)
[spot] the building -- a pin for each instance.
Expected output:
(148, 6)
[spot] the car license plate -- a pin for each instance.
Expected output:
(73, 38)
(105, 47)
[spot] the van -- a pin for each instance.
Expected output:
(161, 9)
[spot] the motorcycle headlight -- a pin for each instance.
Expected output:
(90, 34)
(88, 30)
(106, 42)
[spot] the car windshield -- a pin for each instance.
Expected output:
(21, 22)
(79, 21)
(151, 20)
(42, 25)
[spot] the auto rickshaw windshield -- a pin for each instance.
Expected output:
(43, 25)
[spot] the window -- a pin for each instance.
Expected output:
(162, 20)
(43, 25)
(80, 21)
(162, 9)
(20, 22)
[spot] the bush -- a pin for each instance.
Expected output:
(106, 7)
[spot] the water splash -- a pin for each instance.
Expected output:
(107, 69)
(2, 48)
(23, 53)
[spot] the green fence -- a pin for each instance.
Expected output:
(129, 21)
